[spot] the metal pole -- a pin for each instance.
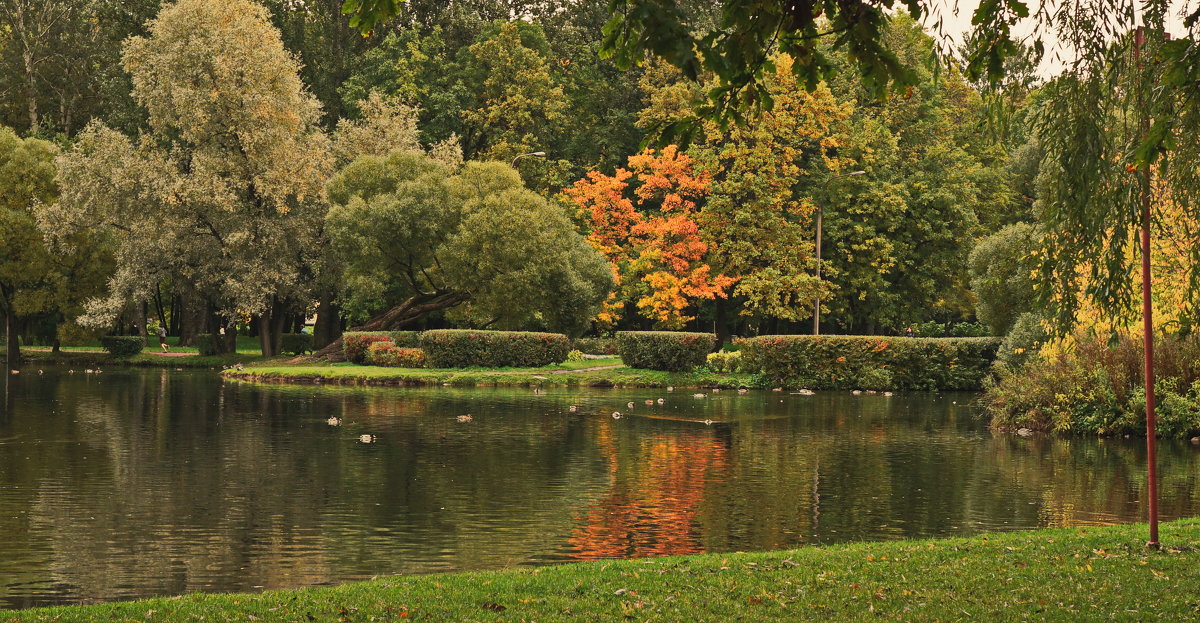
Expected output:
(1148, 320)
(817, 307)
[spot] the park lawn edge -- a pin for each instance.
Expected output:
(610, 376)
(145, 359)
(1057, 574)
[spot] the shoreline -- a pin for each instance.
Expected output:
(1050, 574)
(599, 376)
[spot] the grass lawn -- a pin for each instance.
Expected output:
(592, 373)
(1092, 574)
(245, 345)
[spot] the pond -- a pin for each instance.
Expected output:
(135, 483)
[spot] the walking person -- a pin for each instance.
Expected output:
(162, 338)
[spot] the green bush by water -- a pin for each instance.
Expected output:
(296, 343)
(465, 348)
(385, 353)
(208, 344)
(123, 345)
(355, 343)
(1096, 389)
(670, 351)
(595, 345)
(870, 362)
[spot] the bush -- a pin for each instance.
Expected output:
(1023, 342)
(725, 361)
(296, 343)
(385, 353)
(576, 355)
(208, 344)
(854, 362)
(672, 351)
(355, 343)
(123, 345)
(1096, 389)
(595, 345)
(463, 348)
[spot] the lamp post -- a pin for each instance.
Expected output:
(535, 154)
(820, 215)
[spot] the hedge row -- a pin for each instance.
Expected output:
(355, 343)
(595, 345)
(673, 351)
(463, 348)
(123, 345)
(388, 354)
(870, 362)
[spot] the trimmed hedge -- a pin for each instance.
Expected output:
(463, 348)
(123, 345)
(390, 355)
(595, 345)
(296, 343)
(871, 362)
(355, 343)
(208, 344)
(672, 351)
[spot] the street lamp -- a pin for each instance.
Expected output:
(820, 214)
(535, 154)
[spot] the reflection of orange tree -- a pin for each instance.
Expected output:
(652, 503)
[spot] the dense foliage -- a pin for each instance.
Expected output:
(388, 354)
(296, 343)
(868, 362)
(672, 351)
(462, 348)
(1097, 389)
(123, 345)
(356, 343)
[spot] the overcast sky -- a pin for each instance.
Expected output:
(956, 21)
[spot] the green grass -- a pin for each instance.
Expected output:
(145, 360)
(1093, 574)
(245, 345)
(569, 374)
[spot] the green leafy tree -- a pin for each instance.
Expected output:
(422, 238)
(1003, 271)
(35, 280)
(224, 192)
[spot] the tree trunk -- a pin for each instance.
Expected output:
(13, 351)
(328, 325)
(265, 343)
(721, 321)
(406, 313)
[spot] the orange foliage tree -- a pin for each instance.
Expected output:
(643, 219)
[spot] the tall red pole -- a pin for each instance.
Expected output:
(1148, 324)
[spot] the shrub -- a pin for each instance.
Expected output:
(123, 345)
(1096, 389)
(208, 344)
(385, 353)
(595, 345)
(296, 343)
(849, 361)
(462, 348)
(576, 355)
(355, 343)
(1023, 342)
(672, 351)
(724, 361)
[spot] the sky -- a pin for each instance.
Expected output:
(955, 16)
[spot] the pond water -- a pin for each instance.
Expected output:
(135, 483)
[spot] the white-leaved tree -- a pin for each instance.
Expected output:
(224, 192)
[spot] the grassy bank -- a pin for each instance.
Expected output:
(1095, 574)
(593, 373)
(145, 359)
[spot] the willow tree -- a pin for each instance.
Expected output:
(225, 190)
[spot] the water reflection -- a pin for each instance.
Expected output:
(135, 483)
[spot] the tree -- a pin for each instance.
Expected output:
(650, 235)
(418, 238)
(1002, 275)
(36, 280)
(224, 192)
